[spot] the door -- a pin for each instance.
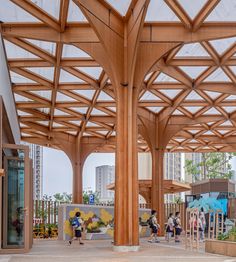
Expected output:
(17, 199)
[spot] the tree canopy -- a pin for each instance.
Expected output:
(211, 165)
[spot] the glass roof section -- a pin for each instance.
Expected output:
(72, 90)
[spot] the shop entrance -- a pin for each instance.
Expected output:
(17, 200)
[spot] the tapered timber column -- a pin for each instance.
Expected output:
(126, 182)
(77, 194)
(157, 202)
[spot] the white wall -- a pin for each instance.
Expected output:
(6, 93)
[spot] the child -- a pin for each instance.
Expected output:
(154, 227)
(178, 228)
(170, 227)
(77, 223)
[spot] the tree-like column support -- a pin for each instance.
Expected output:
(126, 237)
(158, 187)
(77, 194)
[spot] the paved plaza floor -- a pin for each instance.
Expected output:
(101, 251)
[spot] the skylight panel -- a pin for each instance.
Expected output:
(224, 11)
(14, 51)
(49, 47)
(195, 49)
(58, 112)
(221, 45)
(193, 71)
(155, 109)
(229, 109)
(52, 7)
(164, 78)
(19, 79)
(120, 6)
(149, 96)
(192, 8)
(63, 98)
(75, 14)
(194, 96)
(104, 97)
(217, 76)
(85, 93)
(171, 93)
(213, 95)
(44, 72)
(44, 93)
(75, 122)
(19, 98)
(9, 12)
(81, 110)
(212, 111)
(230, 98)
(66, 77)
(95, 111)
(73, 52)
(193, 109)
(158, 10)
(94, 72)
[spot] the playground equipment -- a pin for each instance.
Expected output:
(215, 223)
(192, 229)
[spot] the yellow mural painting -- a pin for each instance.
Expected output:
(145, 216)
(105, 216)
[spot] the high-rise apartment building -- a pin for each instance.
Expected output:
(196, 158)
(105, 175)
(36, 154)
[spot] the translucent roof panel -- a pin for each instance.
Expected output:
(98, 112)
(212, 111)
(104, 97)
(73, 51)
(193, 71)
(230, 98)
(217, 76)
(212, 95)
(192, 8)
(49, 47)
(195, 49)
(221, 45)
(75, 14)
(158, 10)
(19, 98)
(164, 78)
(52, 7)
(66, 77)
(44, 72)
(193, 109)
(58, 112)
(120, 6)
(63, 98)
(16, 78)
(229, 109)
(85, 93)
(171, 93)
(9, 12)
(224, 11)
(14, 51)
(155, 109)
(43, 94)
(81, 110)
(94, 72)
(149, 96)
(194, 96)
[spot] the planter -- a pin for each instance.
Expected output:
(226, 248)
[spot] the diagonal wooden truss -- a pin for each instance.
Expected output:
(204, 110)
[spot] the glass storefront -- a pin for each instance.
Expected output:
(15, 202)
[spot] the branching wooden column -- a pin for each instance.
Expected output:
(119, 42)
(157, 202)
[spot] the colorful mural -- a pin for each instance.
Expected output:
(210, 203)
(98, 221)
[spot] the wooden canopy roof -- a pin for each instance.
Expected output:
(60, 89)
(170, 186)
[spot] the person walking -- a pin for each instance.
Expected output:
(203, 222)
(154, 227)
(177, 226)
(170, 227)
(77, 224)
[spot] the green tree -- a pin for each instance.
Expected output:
(212, 165)
(64, 197)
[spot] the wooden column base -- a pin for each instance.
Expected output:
(126, 248)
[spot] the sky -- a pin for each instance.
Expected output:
(57, 171)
